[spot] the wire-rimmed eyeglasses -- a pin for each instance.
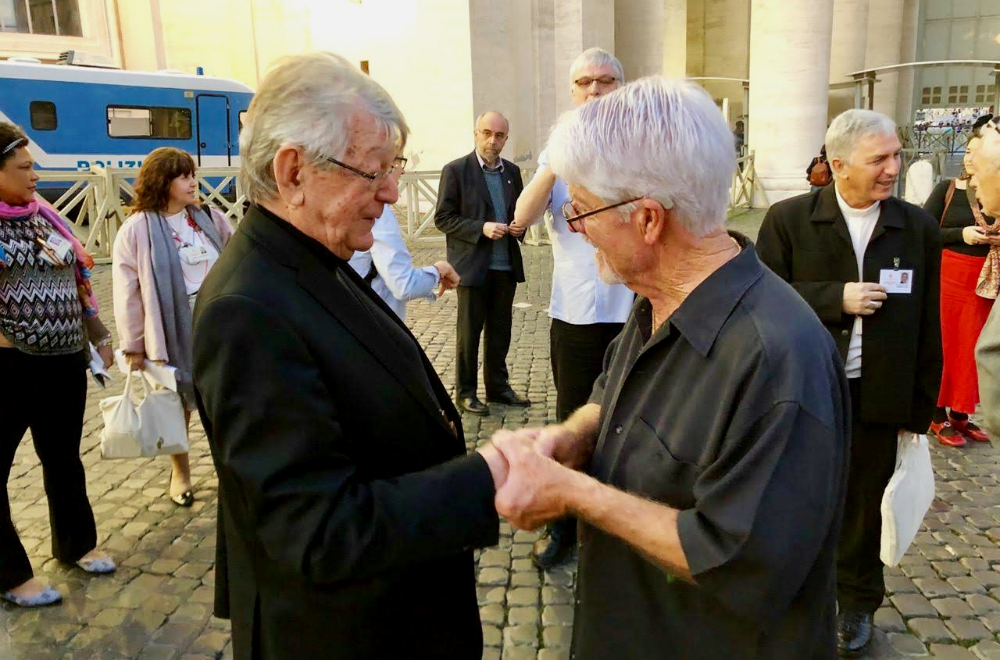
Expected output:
(398, 167)
(572, 217)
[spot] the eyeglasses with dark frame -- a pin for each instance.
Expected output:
(603, 81)
(398, 167)
(569, 212)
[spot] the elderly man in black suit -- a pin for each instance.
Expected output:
(345, 491)
(476, 201)
(846, 249)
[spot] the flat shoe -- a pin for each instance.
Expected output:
(47, 597)
(100, 566)
(185, 499)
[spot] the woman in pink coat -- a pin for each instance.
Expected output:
(161, 257)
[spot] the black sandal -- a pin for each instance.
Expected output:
(185, 499)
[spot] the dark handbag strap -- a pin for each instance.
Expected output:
(372, 274)
(947, 200)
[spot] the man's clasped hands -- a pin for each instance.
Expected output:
(535, 472)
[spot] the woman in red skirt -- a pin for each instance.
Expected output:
(967, 238)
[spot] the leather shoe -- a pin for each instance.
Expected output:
(854, 633)
(969, 430)
(473, 406)
(551, 549)
(509, 398)
(946, 434)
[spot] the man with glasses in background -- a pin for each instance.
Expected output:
(476, 201)
(587, 313)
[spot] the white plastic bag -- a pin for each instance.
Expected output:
(154, 427)
(122, 433)
(907, 497)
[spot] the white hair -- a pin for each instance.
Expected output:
(850, 127)
(656, 137)
(596, 57)
(309, 100)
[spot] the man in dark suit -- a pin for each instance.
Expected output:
(344, 486)
(476, 201)
(845, 249)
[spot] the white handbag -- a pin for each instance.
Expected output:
(154, 427)
(907, 497)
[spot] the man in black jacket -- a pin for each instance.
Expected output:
(869, 266)
(475, 207)
(344, 488)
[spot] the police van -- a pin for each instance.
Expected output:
(78, 117)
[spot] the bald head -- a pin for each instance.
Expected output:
(491, 135)
(986, 168)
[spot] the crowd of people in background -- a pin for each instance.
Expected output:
(721, 441)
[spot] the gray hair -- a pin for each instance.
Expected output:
(309, 100)
(596, 57)
(850, 127)
(656, 137)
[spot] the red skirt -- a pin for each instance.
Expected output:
(963, 315)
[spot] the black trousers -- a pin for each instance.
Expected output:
(577, 356)
(47, 395)
(484, 309)
(860, 583)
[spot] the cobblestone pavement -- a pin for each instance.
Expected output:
(944, 599)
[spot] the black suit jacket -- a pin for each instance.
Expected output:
(348, 508)
(805, 241)
(464, 206)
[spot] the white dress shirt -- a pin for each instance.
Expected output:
(860, 223)
(397, 280)
(579, 297)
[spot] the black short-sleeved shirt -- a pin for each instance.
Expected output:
(956, 218)
(736, 412)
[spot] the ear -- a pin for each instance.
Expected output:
(838, 166)
(652, 219)
(288, 167)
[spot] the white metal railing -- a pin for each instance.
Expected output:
(96, 202)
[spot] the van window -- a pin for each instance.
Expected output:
(43, 115)
(156, 123)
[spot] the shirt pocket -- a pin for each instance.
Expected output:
(648, 468)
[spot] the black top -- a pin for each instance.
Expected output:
(958, 217)
(736, 413)
(344, 484)
(806, 242)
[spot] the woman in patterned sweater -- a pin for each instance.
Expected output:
(47, 315)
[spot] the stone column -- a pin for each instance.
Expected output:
(885, 40)
(847, 50)
(579, 24)
(675, 38)
(789, 70)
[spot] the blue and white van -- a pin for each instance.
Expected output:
(77, 117)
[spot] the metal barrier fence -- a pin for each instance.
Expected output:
(950, 141)
(96, 202)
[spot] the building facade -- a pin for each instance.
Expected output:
(782, 67)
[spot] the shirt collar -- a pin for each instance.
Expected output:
(482, 163)
(850, 212)
(703, 313)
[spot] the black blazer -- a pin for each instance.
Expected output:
(805, 241)
(464, 206)
(348, 508)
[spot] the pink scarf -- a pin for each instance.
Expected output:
(84, 262)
